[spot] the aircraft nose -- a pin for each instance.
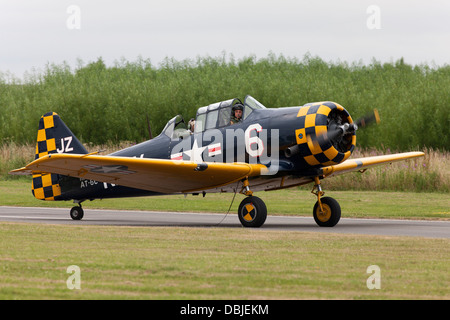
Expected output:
(316, 138)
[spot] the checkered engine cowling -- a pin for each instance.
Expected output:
(314, 145)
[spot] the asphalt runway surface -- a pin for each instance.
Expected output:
(388, 227)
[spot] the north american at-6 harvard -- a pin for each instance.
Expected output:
(230, 146)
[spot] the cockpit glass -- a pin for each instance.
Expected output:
(174, 126)
(253, 103)
(211, 119)
(219, 114)
(170, 126)
(200, 123)
(224, 116)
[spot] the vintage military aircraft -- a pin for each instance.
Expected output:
(256, 149)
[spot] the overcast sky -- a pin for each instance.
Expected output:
(36, 32)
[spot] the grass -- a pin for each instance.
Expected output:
(216, 263)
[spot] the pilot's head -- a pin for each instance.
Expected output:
(237, 111)
(191, 124)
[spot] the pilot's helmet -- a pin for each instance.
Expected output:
(238, 107)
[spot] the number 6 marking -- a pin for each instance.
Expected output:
(249, 141)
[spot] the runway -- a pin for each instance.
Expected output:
(387, 227)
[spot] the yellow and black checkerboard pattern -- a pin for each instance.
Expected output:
(311, 137)
(45, 186)
(45, 140)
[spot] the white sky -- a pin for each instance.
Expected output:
(35, 32)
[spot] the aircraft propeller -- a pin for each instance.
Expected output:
(337, 131)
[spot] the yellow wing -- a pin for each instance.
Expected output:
(364, 163)
(166, 176)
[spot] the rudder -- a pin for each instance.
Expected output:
(55, 137)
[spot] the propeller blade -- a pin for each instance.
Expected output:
(335, 131)
(367, 119)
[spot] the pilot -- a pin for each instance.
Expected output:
(191, 125)
(237, 114)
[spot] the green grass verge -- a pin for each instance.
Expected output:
(223, 263)
(215, 263)
(359, 204)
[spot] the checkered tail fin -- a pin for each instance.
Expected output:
(53, 137)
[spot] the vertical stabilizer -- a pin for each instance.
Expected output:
(53, 137)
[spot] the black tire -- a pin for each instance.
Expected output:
(252, 212)
(76, 213)
(331, 215)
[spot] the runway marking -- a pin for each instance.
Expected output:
(36, 218)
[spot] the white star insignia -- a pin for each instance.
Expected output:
(195, 153)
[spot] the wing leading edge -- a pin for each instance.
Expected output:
(364, 163)
(166, 176)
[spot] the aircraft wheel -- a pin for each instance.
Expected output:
(331, 212)
(76, 213)
(252, 212)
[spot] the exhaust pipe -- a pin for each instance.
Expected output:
(291, 151)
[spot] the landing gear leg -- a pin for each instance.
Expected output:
(77, 213)
(252, 211)
(327, 211)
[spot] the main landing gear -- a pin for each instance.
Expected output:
(77, 212)
(327, 211)
(252, 211)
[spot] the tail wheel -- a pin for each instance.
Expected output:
(331, 212)
(77, 213)
(252, 212)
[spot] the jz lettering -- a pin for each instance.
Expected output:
(65, 147)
